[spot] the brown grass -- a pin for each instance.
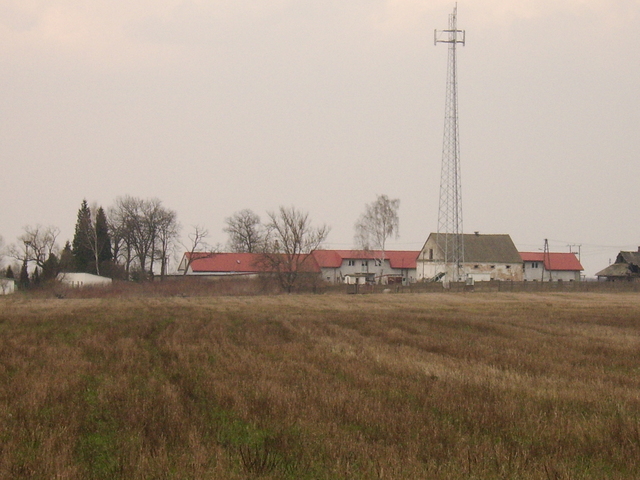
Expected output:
(478, 386)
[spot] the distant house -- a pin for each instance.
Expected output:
(83, 280)
(551, 267)
(7, 286)
(219, 264)
(363, 266)
(235, 264)
(626, 268)
(486, 257)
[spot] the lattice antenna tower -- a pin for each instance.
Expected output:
(449, 236)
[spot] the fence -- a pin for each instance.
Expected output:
(497, 286)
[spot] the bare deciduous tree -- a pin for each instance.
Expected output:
(117, 220)
(142, 232)
(166, 237)
(35, 245)
(126, 231)
(290, 238)
(196, 248)
(377, 224)
(246, 233)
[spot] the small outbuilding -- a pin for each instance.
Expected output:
(551, 266)
(626, 268)
(79, 280)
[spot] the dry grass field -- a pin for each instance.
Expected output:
(412, 386)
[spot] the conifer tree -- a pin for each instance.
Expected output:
(81, 247)
(24, 276)
(35, 277)
(50, 268)
(9, 273)
(67, 261)
(103, 239)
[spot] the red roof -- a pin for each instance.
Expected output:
(327, 258)
(554, 261)
(239, 263)
(397, 258)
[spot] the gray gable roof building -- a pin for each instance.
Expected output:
(486, 257)
(482, 248)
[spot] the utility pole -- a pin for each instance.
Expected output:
(449, 236)
(546, 259)
(575, 245)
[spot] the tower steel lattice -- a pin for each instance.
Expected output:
(449, 236)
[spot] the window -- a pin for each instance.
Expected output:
(365, 263)
(352, 263)
(476, 266)
(378, 263)
(431, 254)
(508, 267)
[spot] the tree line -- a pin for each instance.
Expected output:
(134, 239)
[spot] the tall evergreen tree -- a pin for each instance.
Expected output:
(35, 278)
(82, 240)
(24, 276)
(103, 239)
(67, 261)
(9, 273)
(50, 268)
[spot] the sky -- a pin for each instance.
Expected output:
(220, 105)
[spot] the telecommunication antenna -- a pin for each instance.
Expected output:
(449, 236)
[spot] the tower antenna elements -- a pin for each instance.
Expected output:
(449, 236)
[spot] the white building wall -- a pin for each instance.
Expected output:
(426, 270)
(7, 286)
(83, 280)
(535, 272)
(494, 271)
(357, 267)
(565, 276)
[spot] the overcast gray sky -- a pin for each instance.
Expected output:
(215, 106)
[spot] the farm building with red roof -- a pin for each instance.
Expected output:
(372, 266)
(235, 264)
(551, 266)
(334, 266)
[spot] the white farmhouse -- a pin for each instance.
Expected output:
(362, 266)
(551, 267)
